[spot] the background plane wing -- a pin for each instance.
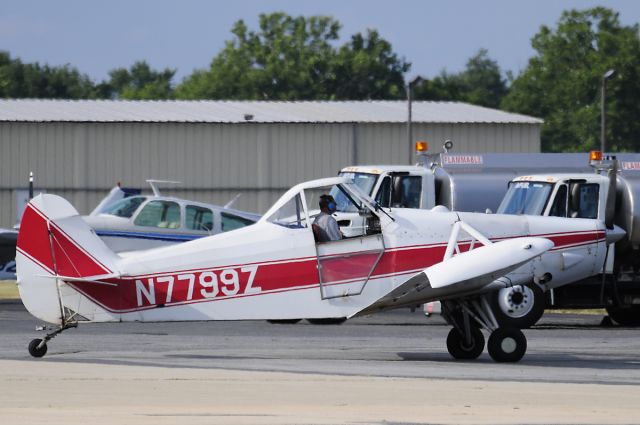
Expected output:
(462, 274)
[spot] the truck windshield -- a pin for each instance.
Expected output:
(365, 183)
(527, 198)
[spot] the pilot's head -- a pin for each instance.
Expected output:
(327, 204)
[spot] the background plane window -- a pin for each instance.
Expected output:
(163, 214)
(124, 207)
(198, 218)
(232, 222)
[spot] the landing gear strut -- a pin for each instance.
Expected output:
(38, 346)
(465, 340)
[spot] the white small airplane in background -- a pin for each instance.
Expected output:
(137, 222)
(128, 221)
(275, 269)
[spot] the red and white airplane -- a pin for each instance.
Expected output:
(275, 269)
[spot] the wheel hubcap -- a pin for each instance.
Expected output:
(517, 301)
(508, 345)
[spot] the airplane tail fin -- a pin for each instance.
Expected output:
(55, 242)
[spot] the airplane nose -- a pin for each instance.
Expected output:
(615, 234)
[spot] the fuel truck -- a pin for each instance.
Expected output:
(576, 185)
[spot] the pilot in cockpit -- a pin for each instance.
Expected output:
(325, 227)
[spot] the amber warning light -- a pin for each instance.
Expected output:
(422, 146)
(595, 156)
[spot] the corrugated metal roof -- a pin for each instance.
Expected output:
(37, 110)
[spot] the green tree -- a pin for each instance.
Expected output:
(139, 82)
(293, 58)
(20, 80)
(562, 82)
(286, 59)
(367, 68)
(480, 83)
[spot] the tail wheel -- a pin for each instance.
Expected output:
(461, 349)
(37, 350)
(507, 345)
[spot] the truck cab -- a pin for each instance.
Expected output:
(609, 195)
(559, 195)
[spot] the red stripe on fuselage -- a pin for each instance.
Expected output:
(279, 276)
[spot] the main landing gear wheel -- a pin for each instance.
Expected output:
(461, 349)
(507, 345)
(37, 348)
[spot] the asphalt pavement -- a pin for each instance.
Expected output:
(561, 348)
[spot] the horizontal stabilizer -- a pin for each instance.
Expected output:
(91, 279)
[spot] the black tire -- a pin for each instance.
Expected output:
(35, 351)
(518, 307)
(284, 321)
(458, 347)
(507, 345)
(328, 321)
(625, 316)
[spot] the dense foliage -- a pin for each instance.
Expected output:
(294, 58)
(562, 82)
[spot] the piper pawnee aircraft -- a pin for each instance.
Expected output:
(275, 269)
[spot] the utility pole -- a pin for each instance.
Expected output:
(603, 109)
(410, 87)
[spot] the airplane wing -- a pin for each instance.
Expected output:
(463, 274)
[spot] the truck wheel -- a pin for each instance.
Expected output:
(507, 345)
(519, 306)
(458, 347)
(625, 316)
(283, 321)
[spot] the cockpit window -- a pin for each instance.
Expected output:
(364, 181)
(290, 215)
(124, 207)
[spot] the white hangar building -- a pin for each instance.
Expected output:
(80, 149)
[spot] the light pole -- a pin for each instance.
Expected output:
(410, 87)
(603, 108)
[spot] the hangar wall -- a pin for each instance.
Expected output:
(214, 161)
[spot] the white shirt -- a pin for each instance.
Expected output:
(329, 229)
